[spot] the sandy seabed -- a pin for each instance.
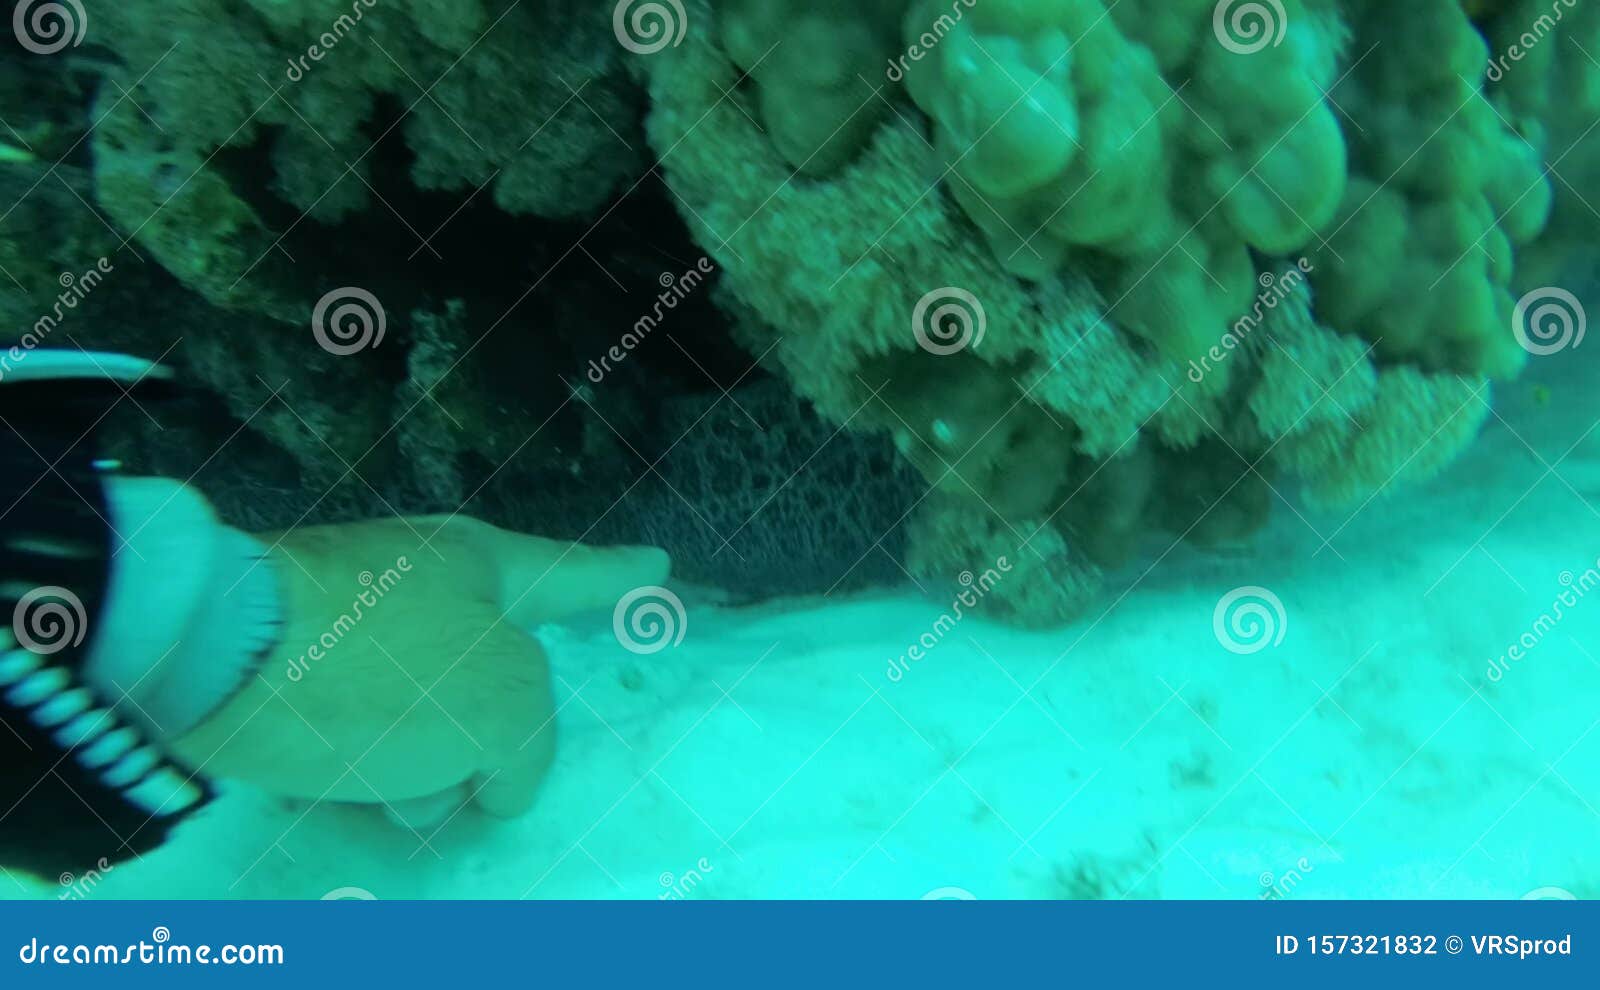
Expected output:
(1368, 753)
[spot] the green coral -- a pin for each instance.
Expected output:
(810, 62)
(1069, 143)
(1133, 141)
(1544, 81)
(1420, 259)
(951, 538)
(314, 89)
(1029, 240)
(1070, 414)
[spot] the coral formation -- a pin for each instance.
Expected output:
(1104, 274)
(1098, 204)
(1543, 81)
(312, 91)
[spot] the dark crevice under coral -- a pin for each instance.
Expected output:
(504, 318)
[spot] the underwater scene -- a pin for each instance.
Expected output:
(813, 449)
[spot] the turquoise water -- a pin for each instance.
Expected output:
(909, 449)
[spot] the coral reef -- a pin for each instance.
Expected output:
(245, 101)
(1105, 275)
(1096, 208)
(1128, 141)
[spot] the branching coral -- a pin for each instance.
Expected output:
(1106, 189)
